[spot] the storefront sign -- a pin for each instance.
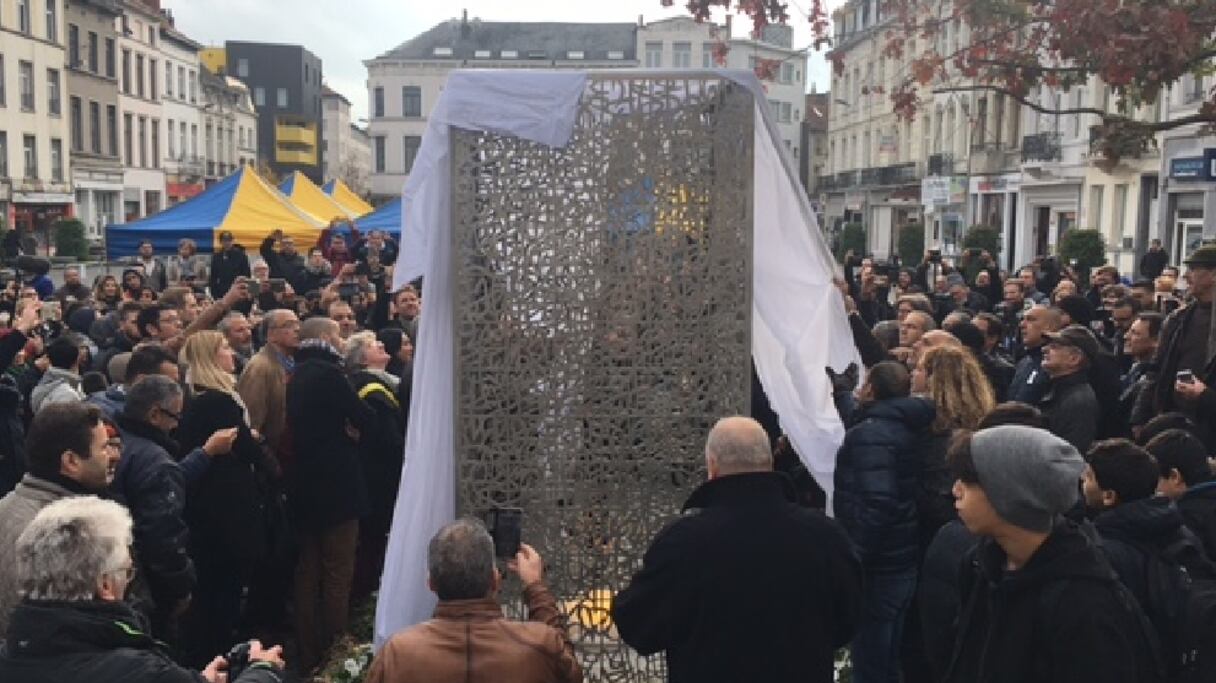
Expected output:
(42, 198)
(183, 190)
(1209, 163)
(943, 190)
(1188, 168)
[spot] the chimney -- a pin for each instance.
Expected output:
(464, 17)
(641, 21)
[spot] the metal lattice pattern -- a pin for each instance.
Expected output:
(603, 325)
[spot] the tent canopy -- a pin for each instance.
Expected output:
(242, 204)
(309, 198)
(347, 198)
(386, 218)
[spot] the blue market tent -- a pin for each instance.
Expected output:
(242, 204)
(386, 218)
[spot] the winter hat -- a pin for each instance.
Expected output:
(1029, 475)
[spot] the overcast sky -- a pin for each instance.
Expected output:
(343, 33)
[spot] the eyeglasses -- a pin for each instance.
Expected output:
(177, 417)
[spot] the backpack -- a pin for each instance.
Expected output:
(1183, 610)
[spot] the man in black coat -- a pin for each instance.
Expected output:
(1153, 261)
(327, 489)
(699, 598)
(227, 265)
(1040, 601)
(1185, 477)
(876, 481)
(1070, 406)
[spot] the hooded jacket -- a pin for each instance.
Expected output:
(56, 386)
(1198, 509)
(877, 472)
(698, 599)
(96, 641)
(1062, 618)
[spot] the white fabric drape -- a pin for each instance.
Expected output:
(799, 325)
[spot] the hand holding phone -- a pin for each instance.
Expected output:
(505, 528)
(1186, 377)
(528, 565)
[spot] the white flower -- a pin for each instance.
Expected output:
(351, 666)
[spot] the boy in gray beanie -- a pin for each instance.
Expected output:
(1040, 601)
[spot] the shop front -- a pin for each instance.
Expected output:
(994, 201)
(1047, 212)
(944, 199)
(34, 214)
(1190, 206)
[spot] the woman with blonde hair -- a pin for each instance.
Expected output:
(223, 506)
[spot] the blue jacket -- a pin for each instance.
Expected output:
(877, 472)
(1030, 383)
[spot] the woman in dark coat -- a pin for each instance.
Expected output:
(224, 508)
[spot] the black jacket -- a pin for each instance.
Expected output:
(382, 451)
(95, 641)
(1133, 531)
(281, 265)
(1153, 263)
(698, 598)
(226, 267)
(1072, 410)
(12, 427)
(999, 372)
(877, 479)
(1062, 618)
(1029, 381)
(327, 484)
(1198, 509)
(224, 507)
(937, 592)
(152, 486)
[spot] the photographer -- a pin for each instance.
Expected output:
(460, 562)
(74, 567)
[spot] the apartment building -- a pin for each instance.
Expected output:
(813, 161)
(347, 147)
(139, 103)
(92, 111)
(230, 124)
(35, 183)
(182, 113)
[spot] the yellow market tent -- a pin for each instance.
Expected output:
(347, 198)
(309, 198)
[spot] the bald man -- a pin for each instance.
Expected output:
(931, 340)
(745, 585)
(1030, 382)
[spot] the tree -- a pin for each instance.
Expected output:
(354, 171)
(983, 237)
(852, 238)
(1086, 246)
(911, 243)
(70, 239)
(1136, 47)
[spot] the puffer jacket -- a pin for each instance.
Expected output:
(153, 487)
(877, 473)
(56, 386)
(96, 641)
(470, 640)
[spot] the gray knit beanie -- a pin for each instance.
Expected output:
(1029, 475)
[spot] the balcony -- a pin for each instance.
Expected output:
(990, 158)
(297, 135)
(840, 181)
(941, 164)
(295, 156)
(1041, 147)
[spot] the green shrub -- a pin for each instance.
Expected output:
(911, 247)
(983, 237)
(1086, 246)
(70, 239)
(852, 238)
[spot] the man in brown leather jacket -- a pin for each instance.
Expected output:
(469, 639)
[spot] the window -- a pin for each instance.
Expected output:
(127, 134)
(52, 21)
(410, 144)
(242, 68)
(707, 55)
(139, 75)
(93, 63)
(110, 58)
(57, 159)
(152, 89)
(74, 61)
(168, 78)
(259, 97)
(152, 36)
(126, 71)
(786, 107)
(305, 73)
(181, 82)
(53, 92)
(112, 128)
(681, 55)
(23, 18)
(654, 55)
(181, 148)
(25, 81)
(378, 102)
(193, 86)
(1119, 213)
(95, 127)
(379, 154)
(411, 101)
(194, 140)
(3, 96)
(787, 73)
(1095, 206)
(143, 142)
(155, 143)
(280, 96)
(77, 124)
(3, 154)
(29, 148)
(169, 137)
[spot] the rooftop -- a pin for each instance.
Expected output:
(460, 39)
(327, 91)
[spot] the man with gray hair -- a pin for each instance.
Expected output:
(239, 333)
(74, 565)
(745, 585)
(152, 484)
(462, 572)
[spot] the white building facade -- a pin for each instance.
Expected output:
(181, 112)
(140, 82)
(347, 147)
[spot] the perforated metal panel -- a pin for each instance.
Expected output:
(603, 302)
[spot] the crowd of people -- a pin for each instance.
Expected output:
(237, 422)
(1023, 493)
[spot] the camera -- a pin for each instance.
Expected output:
(238, 660)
